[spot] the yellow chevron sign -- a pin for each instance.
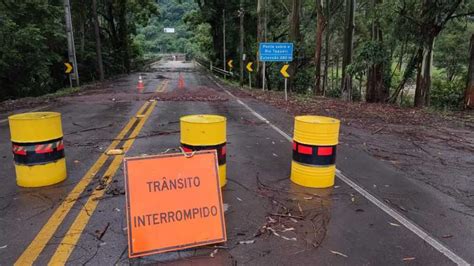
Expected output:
(229, 63)
(249, 67)
(283, 71)
(69, 68)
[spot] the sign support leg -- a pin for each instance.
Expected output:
(286, 89)
(250, 80)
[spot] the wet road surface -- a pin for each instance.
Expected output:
(81, 222)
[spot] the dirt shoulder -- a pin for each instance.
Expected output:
(437, 149)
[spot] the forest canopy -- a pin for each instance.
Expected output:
(33, 44)
(408, 52)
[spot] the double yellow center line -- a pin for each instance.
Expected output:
(67, 244)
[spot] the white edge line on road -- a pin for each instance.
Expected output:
(417, 230)
(32, 110)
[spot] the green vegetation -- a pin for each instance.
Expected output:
(33, 45)
(407, 52)
(399, 51)
(63, 92)
(153, 40)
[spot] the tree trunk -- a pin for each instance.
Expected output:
(469, 96)
(400, 56)
(82, 30)
(98, 46)
(377, 91)
(321, 24)
(346, 84)
(260, 38)
(326, 49)
(241, 46)
(294, 36)
(428, 31)
(409, 69)
(423, 78)
(332, 73)
(123, 35)
(337, 69)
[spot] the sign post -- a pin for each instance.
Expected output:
(70, 44)
(174, 202)
(285, 74)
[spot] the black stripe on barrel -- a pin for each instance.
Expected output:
(221, 150)
(314, 155)
(38, 152)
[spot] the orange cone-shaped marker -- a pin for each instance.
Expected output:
(140, 85)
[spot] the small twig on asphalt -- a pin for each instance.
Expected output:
(76, 124)
(420, 147)
(261, 185)
(240, 184)
(338, 253)
(287, 216)
(92, 257)
(102, 233)
(88, 129)
(121, 255)
(280, 236)
(378, 130)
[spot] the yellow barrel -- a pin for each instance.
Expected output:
(206, 132)
(38, 148)
(314, 151)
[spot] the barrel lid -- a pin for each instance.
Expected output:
(203, 119)
(34, 116)
(314, 119)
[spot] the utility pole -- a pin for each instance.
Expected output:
(265, 40)
(70, 43)
(223, 41)
(98, 47)
(241, 15)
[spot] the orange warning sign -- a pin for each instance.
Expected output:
(173, 202)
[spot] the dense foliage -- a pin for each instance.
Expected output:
(153, 40)
(374, 50)
(390, 51)
(33, 43)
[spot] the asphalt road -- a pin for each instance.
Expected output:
(374, 215)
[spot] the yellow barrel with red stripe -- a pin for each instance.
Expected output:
(314, 151)
(38, 148)
(206, 132)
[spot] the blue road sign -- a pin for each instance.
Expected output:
(275, 52)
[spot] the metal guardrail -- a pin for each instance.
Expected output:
(214, 69)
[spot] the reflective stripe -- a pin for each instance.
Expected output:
(314, 155)
(221, 150)
(303, 149)
(325, 151)
(38, 153)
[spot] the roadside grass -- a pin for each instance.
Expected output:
(62, 93)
